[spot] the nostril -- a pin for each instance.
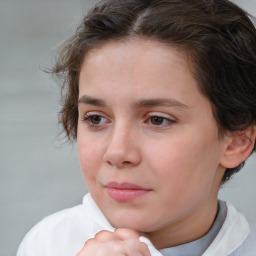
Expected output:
(126, 162)
(108, 162)
(118, 163)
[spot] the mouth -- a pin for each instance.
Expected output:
(125, 192)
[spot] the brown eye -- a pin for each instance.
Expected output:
(95, 119)
(157, 120)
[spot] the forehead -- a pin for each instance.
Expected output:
(137, 67)
(134, 47)
(138, 61)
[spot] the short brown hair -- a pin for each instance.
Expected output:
(218, 37)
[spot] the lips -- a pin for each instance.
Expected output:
(125, 192)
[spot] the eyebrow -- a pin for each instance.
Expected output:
(143, 103)
(165, 102)
(91, 101)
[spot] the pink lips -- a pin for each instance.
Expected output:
(125, 192)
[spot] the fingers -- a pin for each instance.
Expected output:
(130, 237)
(121, 242)
(138, 248)
(104, 236)
(125, 233)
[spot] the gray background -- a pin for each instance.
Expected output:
(40, 174)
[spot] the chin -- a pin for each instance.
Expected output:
(138, 223)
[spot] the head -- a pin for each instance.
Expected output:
(217, 38)
(127, 65)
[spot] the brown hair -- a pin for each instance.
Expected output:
(218, 36)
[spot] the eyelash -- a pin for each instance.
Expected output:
(88, 119)
(168, 121)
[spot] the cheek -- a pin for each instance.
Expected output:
(173, 157)
(184, 164)
(90, 156)
(180, 179)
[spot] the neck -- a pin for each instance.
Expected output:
(189, 229)
(196, 225)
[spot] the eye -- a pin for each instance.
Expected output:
(157, 120)
(94, 119)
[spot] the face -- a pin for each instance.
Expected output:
(147, 139)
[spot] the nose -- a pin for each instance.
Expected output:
(122, 149)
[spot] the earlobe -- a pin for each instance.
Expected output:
(238, 148)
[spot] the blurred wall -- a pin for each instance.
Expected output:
(40, 174)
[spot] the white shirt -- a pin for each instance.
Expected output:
(64, 233)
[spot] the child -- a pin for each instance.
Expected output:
(160, 96)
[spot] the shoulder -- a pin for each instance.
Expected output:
(233, 235)
(248, 247)
(62, 233)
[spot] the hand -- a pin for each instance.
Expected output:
(121, 242)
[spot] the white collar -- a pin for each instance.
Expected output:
(232, 234)
(234, 231)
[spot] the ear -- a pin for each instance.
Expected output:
(237, 147)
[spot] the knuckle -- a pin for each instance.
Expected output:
(124, 233)
(89, 242)
(104, 236)
(101, 233)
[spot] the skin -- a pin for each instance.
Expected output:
(120, 242)
(177, 156)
